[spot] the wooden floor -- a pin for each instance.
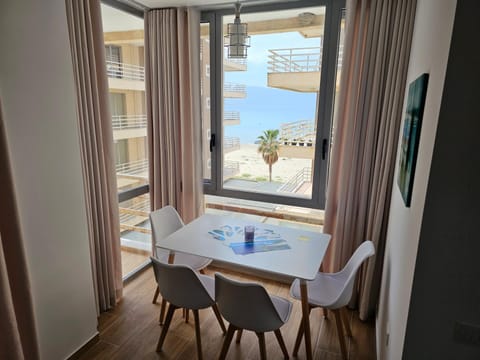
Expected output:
(131, 330)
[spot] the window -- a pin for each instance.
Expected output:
(125, 61)
(270, 116)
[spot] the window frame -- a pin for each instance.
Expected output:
(334, 10)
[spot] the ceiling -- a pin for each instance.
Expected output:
(117, 20)
(200, 3)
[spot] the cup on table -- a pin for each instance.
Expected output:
(249, 232)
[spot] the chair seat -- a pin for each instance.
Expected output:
(323, 291)
(283, 307)
(195, 262)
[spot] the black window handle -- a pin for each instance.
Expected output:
(212, 142)
(324, 148)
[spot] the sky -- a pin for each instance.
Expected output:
(266, 108)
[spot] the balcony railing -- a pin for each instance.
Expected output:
(233, 87)
(230, 169)
(296, 181)
(231, 143)
(122, 122)
(125, 71)
(231, 116)
(295, 60)
(137, 168)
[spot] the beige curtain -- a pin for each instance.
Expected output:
(18, 338)
(373, 80)
(96, 142)
(172, 66)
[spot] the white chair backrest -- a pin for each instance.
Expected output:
(180, 286)
(164, 221)
(246, 305)
(347, 274)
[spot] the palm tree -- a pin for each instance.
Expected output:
(268, 147)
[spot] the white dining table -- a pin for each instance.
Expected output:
(301, 259)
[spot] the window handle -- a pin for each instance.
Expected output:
(324, 148)
(212, 142)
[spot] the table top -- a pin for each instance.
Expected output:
(302, 260)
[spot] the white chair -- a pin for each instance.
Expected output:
(184, 288)
(166, 221)
(248, 306)
(333, 291)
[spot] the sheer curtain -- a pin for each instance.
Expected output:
(373, 80)
(96, 144)
(172, 66)
(18, 338)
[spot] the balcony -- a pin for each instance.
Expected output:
(129, 126)
(234, 91)
(234, 64)
(231, 118)
(295, 69)
(124, 76)
(300, 183)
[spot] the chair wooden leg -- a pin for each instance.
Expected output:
(219, 318)
(341, 337)
(186, 312)
(298, 340)
(300, 332)
(306, 319)
(239, 335)
(197, 333)
(278, 334)
(263, 348)
(155, 296)
(168, 320)
(162, 311)
(227, 341)
(346, 323)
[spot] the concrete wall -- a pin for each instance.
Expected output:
(430, 47)
(446, 289)
(37, 91)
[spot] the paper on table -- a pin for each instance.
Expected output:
(265, 240)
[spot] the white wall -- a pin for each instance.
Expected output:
(37, 91)
(430, 48)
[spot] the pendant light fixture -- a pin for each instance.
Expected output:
(237, 40)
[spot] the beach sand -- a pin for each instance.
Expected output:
(251, 162)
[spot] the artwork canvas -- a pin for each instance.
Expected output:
(417, 92)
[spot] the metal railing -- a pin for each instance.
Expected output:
(233, 87)
(137, 168)
(134, 210)
(231, 143)
(295, 60)
(296, 181)
(231, 116)
(125, 71)
(230, 168)
(121, 122)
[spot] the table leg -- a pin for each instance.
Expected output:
(306, 319)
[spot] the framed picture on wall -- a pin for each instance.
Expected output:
(417, 92)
